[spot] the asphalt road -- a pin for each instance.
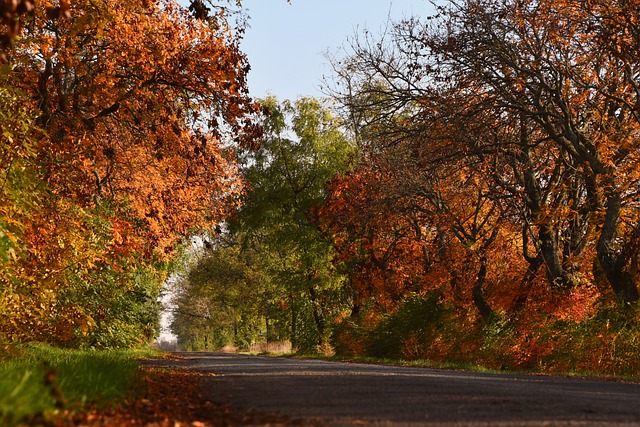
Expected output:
(311, 392)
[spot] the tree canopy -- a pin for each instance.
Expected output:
(123, 143)
(302, 149)
(498, 167)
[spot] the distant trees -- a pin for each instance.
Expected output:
(222, 299)
(295, 290)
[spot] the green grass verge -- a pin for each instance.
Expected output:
(464, 366)
(420, 363)
(40, 379)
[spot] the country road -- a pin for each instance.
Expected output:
(321, 393)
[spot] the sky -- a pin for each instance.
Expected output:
(286, 43)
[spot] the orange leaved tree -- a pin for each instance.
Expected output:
(140, 104)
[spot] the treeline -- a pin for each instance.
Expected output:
(488, 210)
(269, 275)
(117, 127)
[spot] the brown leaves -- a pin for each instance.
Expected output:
(171, 398)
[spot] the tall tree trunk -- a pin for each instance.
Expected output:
(478, 291)
(547, 235)
(318, 315)
(294, 322)
(619, 269)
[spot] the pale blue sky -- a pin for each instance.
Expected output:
(286, 42)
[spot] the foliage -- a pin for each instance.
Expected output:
(605, 344)
(498, 145)
(13, 14)
(222, 299)
(270, 276)
(113, 147)
(420, 321)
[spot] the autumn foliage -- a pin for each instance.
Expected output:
(488, 212)
(118, 133)
(497, 185)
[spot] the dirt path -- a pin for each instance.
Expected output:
(310, 392)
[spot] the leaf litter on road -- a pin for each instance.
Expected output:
(170, 398)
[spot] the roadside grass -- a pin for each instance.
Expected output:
(284, 349)
(467, 367)
(39, 380)
(420, 363)
(454, 365)
(271, 348)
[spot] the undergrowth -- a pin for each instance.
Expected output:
(428, 331)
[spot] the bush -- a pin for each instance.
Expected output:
(422, 328)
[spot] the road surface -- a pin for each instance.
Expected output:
(321, 393)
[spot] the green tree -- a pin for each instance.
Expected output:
(303, 149)
(273, 267)
(221, 298)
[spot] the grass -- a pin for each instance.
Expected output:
(468, 367)
(40, 379)
(421, 363)
(275, 348)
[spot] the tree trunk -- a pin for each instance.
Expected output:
(525, 283)
(318, 316)
(547, 235)
(556, 273)
(294, 321)
(621, 277)
(478, 291)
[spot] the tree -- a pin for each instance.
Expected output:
(287, 179)
(541, 92)
(270, 274)
(139, 106)
(222, 298)
(274, 237)
(543, 63)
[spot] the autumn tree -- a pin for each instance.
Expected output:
(303, 148)
(544, 64)
(404, 225)
(140, 105)
(544, 94)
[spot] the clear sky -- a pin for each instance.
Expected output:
(286, 42)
